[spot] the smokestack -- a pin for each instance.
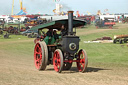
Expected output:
(70, 22)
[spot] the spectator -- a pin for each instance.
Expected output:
(56, 36)
(49, 33)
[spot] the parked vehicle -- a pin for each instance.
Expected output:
(29, 31)
(108, 22)
(120, 39)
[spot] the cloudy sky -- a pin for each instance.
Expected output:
(47, 6)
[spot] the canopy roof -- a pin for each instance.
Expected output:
(58, 24)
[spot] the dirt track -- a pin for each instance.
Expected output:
(20, 70)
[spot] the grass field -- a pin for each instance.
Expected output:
(107, 62)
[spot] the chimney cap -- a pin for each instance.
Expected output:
(70, 11)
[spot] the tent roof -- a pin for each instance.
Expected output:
(21, 13)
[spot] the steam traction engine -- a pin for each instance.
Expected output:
(108, 22)
(62, 52)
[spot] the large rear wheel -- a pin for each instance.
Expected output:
(58, 60)
(39, 56)
(46, 52)
(82, 61)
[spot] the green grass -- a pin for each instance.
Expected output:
(105, 53)
(109, 33)
(13, 38)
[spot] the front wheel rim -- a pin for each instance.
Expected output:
(82, 61)
(58, 60)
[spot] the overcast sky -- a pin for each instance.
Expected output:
(47, 6)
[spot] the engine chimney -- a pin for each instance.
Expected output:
(70, 22)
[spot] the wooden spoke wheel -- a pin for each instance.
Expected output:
(39, 56)
(125, 40)
(82, 61)
(114, 41)
(67, 66)
(58, 60)
(121, 41)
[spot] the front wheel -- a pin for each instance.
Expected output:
(82, 61)
(58, 60)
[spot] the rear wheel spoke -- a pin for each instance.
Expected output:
(39, 59)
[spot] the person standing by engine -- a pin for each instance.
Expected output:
(49, 39)
(50, 33)
(63, 31)
(56, 36)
